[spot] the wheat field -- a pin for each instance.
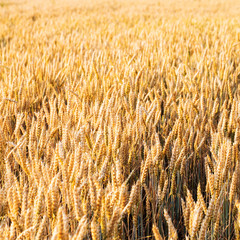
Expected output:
(119, 119)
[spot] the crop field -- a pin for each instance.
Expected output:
(119, 119)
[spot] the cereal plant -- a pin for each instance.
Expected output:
(119, 119)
